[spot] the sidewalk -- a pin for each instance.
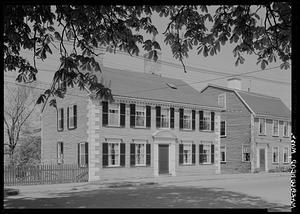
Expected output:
(166, 179)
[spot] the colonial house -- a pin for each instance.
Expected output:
(254, 129)
(154, 126)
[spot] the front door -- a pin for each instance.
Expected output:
(262, 159)
(163, 159)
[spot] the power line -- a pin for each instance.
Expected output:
(203, 70)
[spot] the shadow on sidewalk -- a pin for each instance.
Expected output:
(151, 196)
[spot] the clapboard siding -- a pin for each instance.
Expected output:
(238, 131)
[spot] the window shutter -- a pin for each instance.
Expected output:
(78, 153)
(193, 153)
(75, 115)
(132, 154)
(180, 153)
(86, 154)
(122, 114)
(148, 116)
(122, 150)
(57, 151)
(201, 120)
(172, 118)
(212, 121)
(104, 113)
(148, 154)
(104, 154)
(158, 116)
(193, 119)
(201, 153)
(181, 118)
(132, 115)
(62, 118)
(212, 153)
(68, 118)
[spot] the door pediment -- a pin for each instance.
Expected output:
(164, 135)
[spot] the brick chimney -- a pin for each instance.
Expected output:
(234, 83)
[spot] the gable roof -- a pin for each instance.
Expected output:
(259, 104)
(154, 87)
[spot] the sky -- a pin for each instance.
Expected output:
(204, 69)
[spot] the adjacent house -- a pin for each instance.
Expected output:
(255, 129)
(154, 126)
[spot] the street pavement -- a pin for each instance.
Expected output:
(260, 190)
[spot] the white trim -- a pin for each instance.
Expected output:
(71, 126)
(135, 149)
(82, 143)
(138, 108)
(243, 153)
(273, 133)
(221, 153)
(108, 153)
(244, 102)
(221, 128)
(287, 156)
(188, 112)
(169, 117)
(285, 122)
(277, 154)
(60, 156)
(222, 95)
(191, 145)
(114, 106)
(259, 121)
(59, 118)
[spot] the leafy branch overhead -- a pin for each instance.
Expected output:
(262, 30)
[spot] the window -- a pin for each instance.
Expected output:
(206, 120)
(113, 154)
(223, 153)
(187, 119)
(140, 154)
(114, 115)
(60, 119)
(165, 118)
(72, 117)
(246, 153)
(285, 155)
(223, 129)
(275, 154)
(60, 152)
(187, 153)
(222, 100)
(205, 154)
(262, 126)
(83, 154)
(285, 129)
(140, 116)
(275, 128)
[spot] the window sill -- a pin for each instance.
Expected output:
(275, 135)
(286, 163)
(111, 167)
(276, 163)
(136, 166)
(71, 128)
(246, 161)
(223, 136)
(223, 162)
(187, 164)
(206, 163)
(187, 130)
(262, 135)
(286, 136)
(112, 126)
(140, 127)
(60, 130)
(206, 131)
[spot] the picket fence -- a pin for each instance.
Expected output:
(44, 174)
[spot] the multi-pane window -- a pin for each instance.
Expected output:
(114, 115)
(275, 154)
(275, 127)
(206, 120)
(83, 154)
(222, 100)
(285, 129)
(60, 152)
(187, 119)
(262, 126)
(223, 129)
(140, 116)
(205, 153)
(165, 118)
(72, 116)
(60, 119)
(113, 154)
(246, 153)
(187, 153)
(223, 153)
(140, 154)
(285, 155)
